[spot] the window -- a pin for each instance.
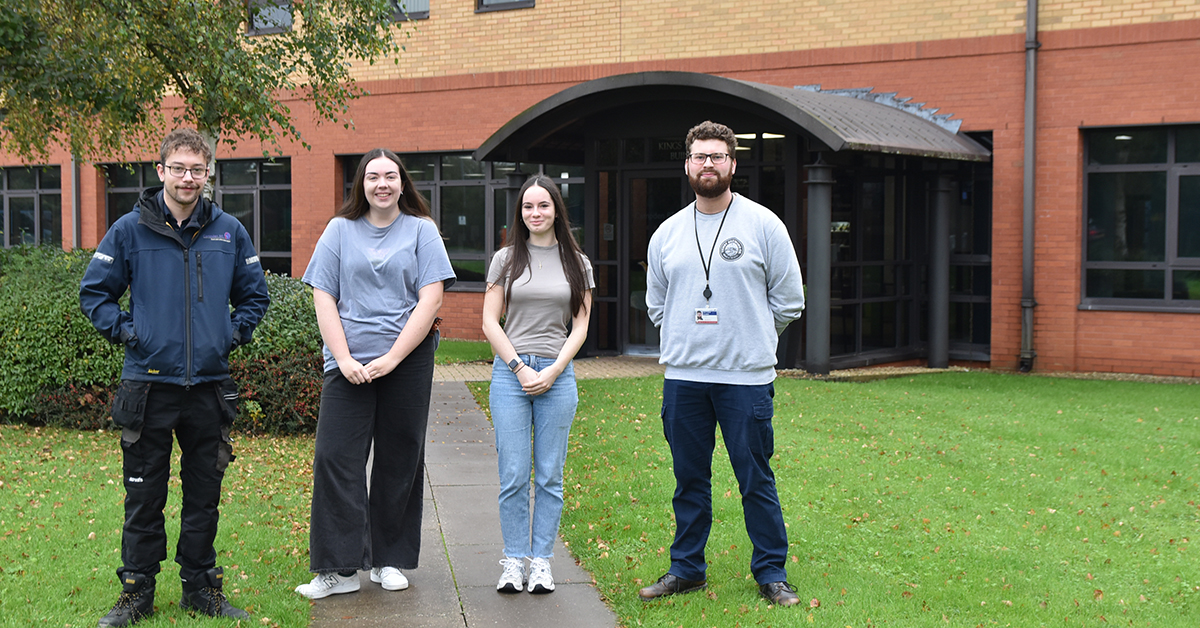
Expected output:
(502, 5)
(1141, 231)
(405, 10)
(469, 203)
(125, 184)
(258, 192)
(269, 16)
(31, 206)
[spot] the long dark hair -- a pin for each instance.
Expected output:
(568, 249)
(412, 202)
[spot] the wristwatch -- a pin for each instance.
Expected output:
(514, 364)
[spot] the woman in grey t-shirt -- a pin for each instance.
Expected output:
(541, 283)
(377, 275)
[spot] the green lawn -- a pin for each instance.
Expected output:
(958, 499)
(61, 508)
(456, 351)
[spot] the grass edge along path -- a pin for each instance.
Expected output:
(962, 499)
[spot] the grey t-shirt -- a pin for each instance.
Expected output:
(375, 274)
(537, 316)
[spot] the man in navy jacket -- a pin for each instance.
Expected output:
(184, 262)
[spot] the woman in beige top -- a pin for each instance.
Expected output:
(541, 283)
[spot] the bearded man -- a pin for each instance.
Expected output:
(720, 318)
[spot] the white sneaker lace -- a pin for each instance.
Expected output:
(512, 570)
(539, 571)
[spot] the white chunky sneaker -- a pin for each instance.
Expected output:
(540, 579)
(391, 578)
(513, 578)
(327, 584)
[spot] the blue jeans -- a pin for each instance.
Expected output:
(691, 413)
(531, 435)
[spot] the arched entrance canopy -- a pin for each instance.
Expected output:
(835, 122)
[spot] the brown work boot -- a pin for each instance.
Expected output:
(670, 584)
(779, 593)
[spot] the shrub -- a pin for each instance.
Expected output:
(59, 371)
(45, 340)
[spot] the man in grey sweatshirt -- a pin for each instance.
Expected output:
(720, 318)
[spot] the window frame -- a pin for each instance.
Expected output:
(400, 15)
(1171, 261)
(503, 5)
(253, 7)
(257, 188)
(37, 192)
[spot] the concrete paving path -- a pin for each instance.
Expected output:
(455, 587)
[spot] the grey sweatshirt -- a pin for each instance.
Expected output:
(756, 291)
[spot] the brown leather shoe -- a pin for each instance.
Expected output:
(779, 593)
(670, 584)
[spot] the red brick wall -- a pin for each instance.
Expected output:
(1087, 77)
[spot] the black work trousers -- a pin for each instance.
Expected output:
(199, 419)
(349, 529)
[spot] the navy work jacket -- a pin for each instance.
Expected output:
(179, 328)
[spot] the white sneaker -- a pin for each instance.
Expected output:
(327, 584)
(540, 579)
(391, 578)
(513, 578)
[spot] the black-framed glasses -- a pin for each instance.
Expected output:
(700, 158)
(178, 171)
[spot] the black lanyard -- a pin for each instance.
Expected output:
(708, 265)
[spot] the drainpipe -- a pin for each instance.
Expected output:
(76, 205)
(1028, 211)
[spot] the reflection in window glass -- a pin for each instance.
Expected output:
(119, 204)
(1125, 284)
(240, 206)
(50, 223)
(1187, 144)
(22, 179)
(50, 178)
(419, 167)
(23, 229)
(563, 172)
(276, 220)
(462, 224)
(457, 167)
(276, 172)
(1186, 285)
(239, 172)
(842, 329)
(879, 326)
(773, 146)
(1126, 217)
(1189, 216)
(1127, 146)
(499, 218)
(123, 175)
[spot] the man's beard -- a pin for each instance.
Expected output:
(710, 188)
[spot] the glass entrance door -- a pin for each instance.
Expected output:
(651, 197)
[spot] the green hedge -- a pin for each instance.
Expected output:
(57, 370)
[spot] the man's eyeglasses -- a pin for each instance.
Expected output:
(700, 158)
(197, 173)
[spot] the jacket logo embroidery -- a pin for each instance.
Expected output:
(251, 260)
(220, 237)
(107, 259)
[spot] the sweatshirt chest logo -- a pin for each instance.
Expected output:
(732, 250)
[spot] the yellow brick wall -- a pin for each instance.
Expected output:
(565, 33)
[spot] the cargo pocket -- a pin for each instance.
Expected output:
(227, 398)
(225, 450)
(129, 408)
(764, 411)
